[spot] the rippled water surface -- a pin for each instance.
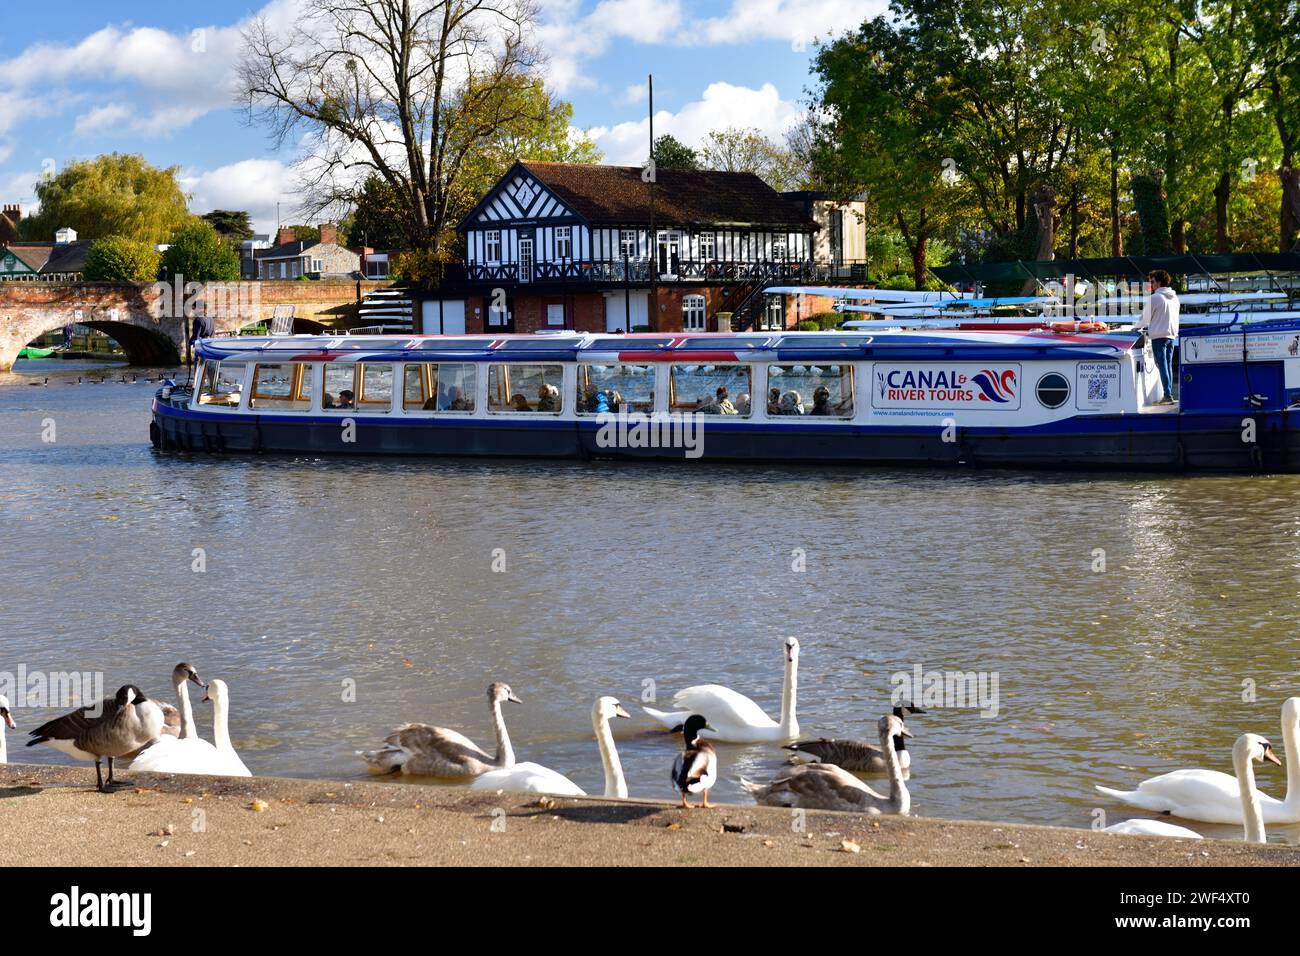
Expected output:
(322, 571)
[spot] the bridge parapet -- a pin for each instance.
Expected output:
(151, 322)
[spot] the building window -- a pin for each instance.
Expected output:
(317, 266)
(564, 242)
(778, 248)
(627, 243)
(555, 314)
(708, 246)
(693, 316)
(773, 315)
(492, 245)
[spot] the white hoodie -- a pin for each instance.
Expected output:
(1160, 314)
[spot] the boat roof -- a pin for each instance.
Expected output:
(844, 344)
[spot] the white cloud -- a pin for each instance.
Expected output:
(722, 105)
(102, 118)
(20, 187)
(255, 185)
(568, 36)
(798, 21)
(6, 150)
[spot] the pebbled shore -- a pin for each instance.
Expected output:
(49, 816)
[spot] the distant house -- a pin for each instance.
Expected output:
(249, 250)
(597, 248)
(293, 258)
(60, 261)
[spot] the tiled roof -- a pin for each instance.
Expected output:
(617, 195)
(34, 256)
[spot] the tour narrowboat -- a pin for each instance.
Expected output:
(1025, 398)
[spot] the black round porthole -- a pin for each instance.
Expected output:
(1053, 390)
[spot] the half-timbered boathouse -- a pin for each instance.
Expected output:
(601, 249)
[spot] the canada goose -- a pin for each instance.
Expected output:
(6, 720)
(696, 768)
(824, 786)
(856, 756)
(1248, 748)
(733, 717)
(114, 727)
(229, 764)
(422, 750)
(1212, 796)
(530, 777)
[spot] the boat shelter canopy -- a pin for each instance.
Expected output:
(1132, 266)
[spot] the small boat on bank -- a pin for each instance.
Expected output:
(35, 352)
(1020, 398)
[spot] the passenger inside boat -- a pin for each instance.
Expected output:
(548, 398)
(742, 403)
(791, 404)
(346, 399)
(519, 403)
(774, 401)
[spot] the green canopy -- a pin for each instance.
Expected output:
(1131, 266)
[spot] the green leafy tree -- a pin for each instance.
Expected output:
(119, 259)
(375, 220)
(111, 195)
(233, 226)
(198, 254)
(672, 153)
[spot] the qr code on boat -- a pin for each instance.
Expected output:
(1098, 389)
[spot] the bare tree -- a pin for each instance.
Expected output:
(407, 90)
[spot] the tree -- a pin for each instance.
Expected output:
(119, 259)
(111, 195)
(198, 254)
(737, 150)
(672, 153)
(375, 221)
(408, 90)
(233, 226)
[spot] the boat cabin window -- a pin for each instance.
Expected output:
(711, 389)
(438, 387)
(285, 386)
(516, 387)
(358, 386)
(812, 389)
(625, 387)
(223, 384)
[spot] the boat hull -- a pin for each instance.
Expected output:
(1165, 441)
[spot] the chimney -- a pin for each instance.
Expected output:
(13, 213)
(329, 234)
(285, 236)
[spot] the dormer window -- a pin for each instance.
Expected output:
(492, 245)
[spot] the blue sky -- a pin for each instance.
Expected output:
(153, 77)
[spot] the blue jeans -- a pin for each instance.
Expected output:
(1164, 354)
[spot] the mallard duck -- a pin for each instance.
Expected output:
(696, 768)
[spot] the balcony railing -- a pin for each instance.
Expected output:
(673, 270)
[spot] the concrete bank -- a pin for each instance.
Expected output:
(50, 816)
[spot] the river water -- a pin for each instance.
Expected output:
(326, 574)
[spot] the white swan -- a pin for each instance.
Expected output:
(530, 777)
(1248, 748)
(231, 765)
(6, 720)
(186, 751)
(733, 717)
(1214, 797)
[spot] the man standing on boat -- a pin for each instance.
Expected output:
(1160, 319)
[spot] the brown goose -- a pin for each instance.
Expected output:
(824, 786)
(856, 756)
(114, 727)
(425, 751)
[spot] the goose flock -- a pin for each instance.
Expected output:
(152, 735)
(822, 774)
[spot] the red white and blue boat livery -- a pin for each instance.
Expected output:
(1019, 398)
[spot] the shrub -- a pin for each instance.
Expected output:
(119, 259)
(198, 254)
